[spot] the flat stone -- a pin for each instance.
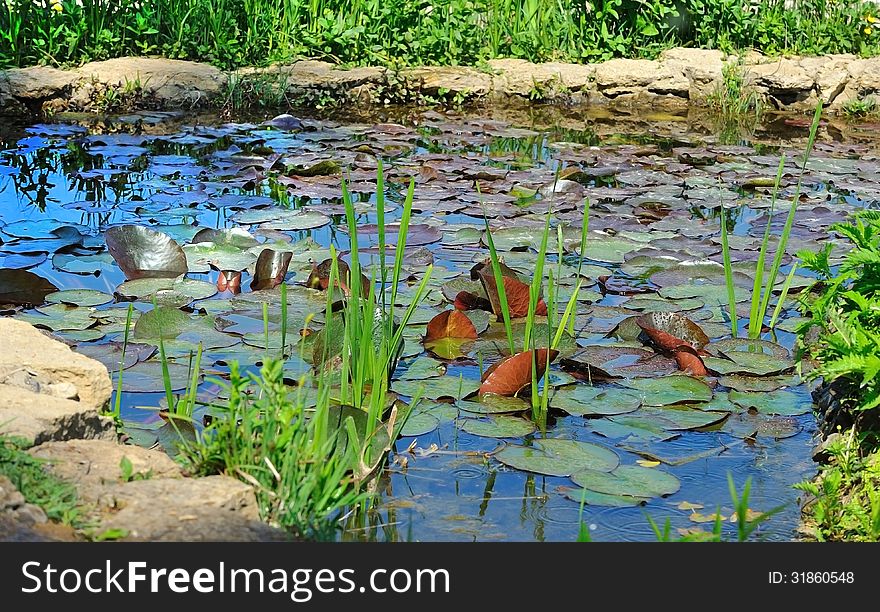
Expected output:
(184, 509)
(40, 418)
(517, 77)
(453, 79)
(91, 464)
(784, 80)
(172, 83)
(24, 522)
(25, 347)
(701, 67)
(830, 73)
(35, 83)
(633, 76)
(314, 74)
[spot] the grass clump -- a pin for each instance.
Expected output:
(861, 108)
(733, 100)
(56, 497)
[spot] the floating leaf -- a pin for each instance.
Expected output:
(490, 403)
(670, 390)
(632, 480)
(669, 330)
(558, 457)
(435, 388)
(497, 426)
(162, 322)
(450, 324)
(512, 374)
(592, 498)
(235, 237)
(271, 268)
(689, 361)
(518, 296)
(785, 403)
(766, 383)
(583, 400)
(419, 424)
(79, 297)
(143, 252)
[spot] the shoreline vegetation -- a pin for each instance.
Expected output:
(400, 33)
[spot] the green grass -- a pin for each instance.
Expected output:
(56, 497)
(763, 287)
(230, 34)
(734, 101)
(862, 108)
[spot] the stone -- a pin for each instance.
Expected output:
(184, 509)
(23, 522)
(830, 73)
(701, 67)
(34, 85)
(91, 464)
(26, 347)
(314, 74)
(784, 81)
(517, 77)
(456, 80)
(821, 452)
(630, 77)
(40, 418)
(170, 83)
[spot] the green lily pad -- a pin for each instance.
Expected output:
(750, 425)
(419, 424)
(679, 417)
(435, 388)
(79, 297)
(497, 426)
(422, 368)
(491, 403)
(632, 480)
(593, 498)
(168, 292)
(582, 400)
(740, 362)
(60, 317)
(754, 383)
(764, 347)
(784, 403)
(639, 428)
(558, 457)
(673, 389)
(147, 377)
(162, 322)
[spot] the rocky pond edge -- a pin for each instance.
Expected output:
(678, 78)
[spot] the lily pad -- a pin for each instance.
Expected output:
(593, 498)
(435, 388)
(632, 480)
(673, 389)
(79, 297)
(785, 403)
(558, 457)
(497, 426)
(490, 403)
(419, 424)
(583, 400)
(143, 252)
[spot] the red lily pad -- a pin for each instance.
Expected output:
(690, 362)
(271, 269)
(669, 331)
(512, 374)
(450, 324)
(518, 296)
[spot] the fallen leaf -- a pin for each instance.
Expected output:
(450, 324)
(646, 463)
(510, 375)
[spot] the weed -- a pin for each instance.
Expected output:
(861, 108)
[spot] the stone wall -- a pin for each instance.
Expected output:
(678, 78)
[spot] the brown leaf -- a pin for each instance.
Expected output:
(510, 375)
(669, 331)
(229, 280)
(689, 361)
(320, 277)
(450, 324)
(518, 296)
(468, 301)
(271, 268)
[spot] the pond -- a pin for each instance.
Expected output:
(655, 186)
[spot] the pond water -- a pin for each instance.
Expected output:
(655, 184)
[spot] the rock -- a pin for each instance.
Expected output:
(184, 509)
(701, 67)
(455, 80)
(314, 74)
(784, 81)
(517, 77)
(821, 453)
(170, 83)
(25, 347)
(629, 77)
(35, 85)
(91, 464)
(830, 73)
(40, 418)
(23, 522)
